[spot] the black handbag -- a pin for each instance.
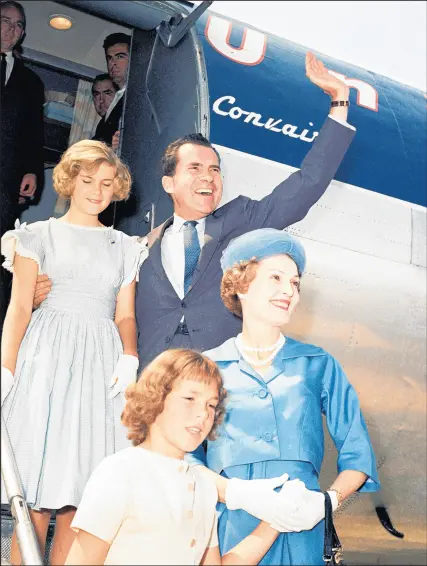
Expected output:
(332, 549)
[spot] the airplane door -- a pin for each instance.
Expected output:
(166, 97)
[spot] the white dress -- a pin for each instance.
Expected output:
(60, 421)
(150, 508)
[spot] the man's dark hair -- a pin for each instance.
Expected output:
(17, 6)
(103, 77)
(115, 38)
(169, 159)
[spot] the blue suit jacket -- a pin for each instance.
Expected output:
(279, 417)
(158, 307)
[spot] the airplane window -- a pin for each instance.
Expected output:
(60, 113)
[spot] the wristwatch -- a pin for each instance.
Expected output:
(340, 103)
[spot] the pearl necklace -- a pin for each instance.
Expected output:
(249, 349)
(241, 347)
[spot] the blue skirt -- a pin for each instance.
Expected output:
(304, 548)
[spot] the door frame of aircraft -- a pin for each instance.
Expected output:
(166, 97)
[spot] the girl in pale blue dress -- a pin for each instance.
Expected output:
(65, 365)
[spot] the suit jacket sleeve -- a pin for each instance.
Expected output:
(35, 137)
(347, 426)
(292, 199)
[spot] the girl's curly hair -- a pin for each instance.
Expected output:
(237, 280)
(88, 155)
(146, 398)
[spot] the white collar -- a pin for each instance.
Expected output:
(119, 94)
(178, 223)
(9, 56)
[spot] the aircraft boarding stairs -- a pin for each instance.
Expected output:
(19, 515)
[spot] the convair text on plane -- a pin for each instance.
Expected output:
(255, 119)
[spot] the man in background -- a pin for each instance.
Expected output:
(117, 50)
(103, 92)
(21, 128)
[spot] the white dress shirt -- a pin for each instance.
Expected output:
(115, 100)
(9, 65)
(173, 251)
(342, 122)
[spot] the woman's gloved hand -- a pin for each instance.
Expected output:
(124, 374)
(258, 498)
(7, 381)
(310, 509)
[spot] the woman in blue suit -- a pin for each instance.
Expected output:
(278, 389)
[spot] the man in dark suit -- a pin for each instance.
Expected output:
(21, 127)
(178, 295)
(117, 49)
(22, 98)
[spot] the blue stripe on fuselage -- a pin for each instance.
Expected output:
(388, 154)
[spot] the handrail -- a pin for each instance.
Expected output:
(25, 534)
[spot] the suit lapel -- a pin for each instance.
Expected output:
(213, 230)
(155, 253)
(116, 112)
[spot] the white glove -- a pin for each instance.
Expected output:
(258, 498)
(7, 381)
(124, 374)
(310, 510)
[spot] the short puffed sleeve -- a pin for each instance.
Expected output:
(135, 252)
(105, 501)
(26, 241)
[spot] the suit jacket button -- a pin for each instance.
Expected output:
(268, 437)
(167, 340)
(183, 304)
(262, 393)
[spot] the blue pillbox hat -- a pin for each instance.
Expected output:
(260, 244)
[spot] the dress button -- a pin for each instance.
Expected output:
(262, 393)
(268, 437)
(193, 542)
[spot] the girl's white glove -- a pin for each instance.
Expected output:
(7, 381)
(124, 374)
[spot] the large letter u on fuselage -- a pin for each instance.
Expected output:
(251, 50)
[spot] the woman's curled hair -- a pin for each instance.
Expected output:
(237, 280)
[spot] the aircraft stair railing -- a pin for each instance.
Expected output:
(25, 534)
